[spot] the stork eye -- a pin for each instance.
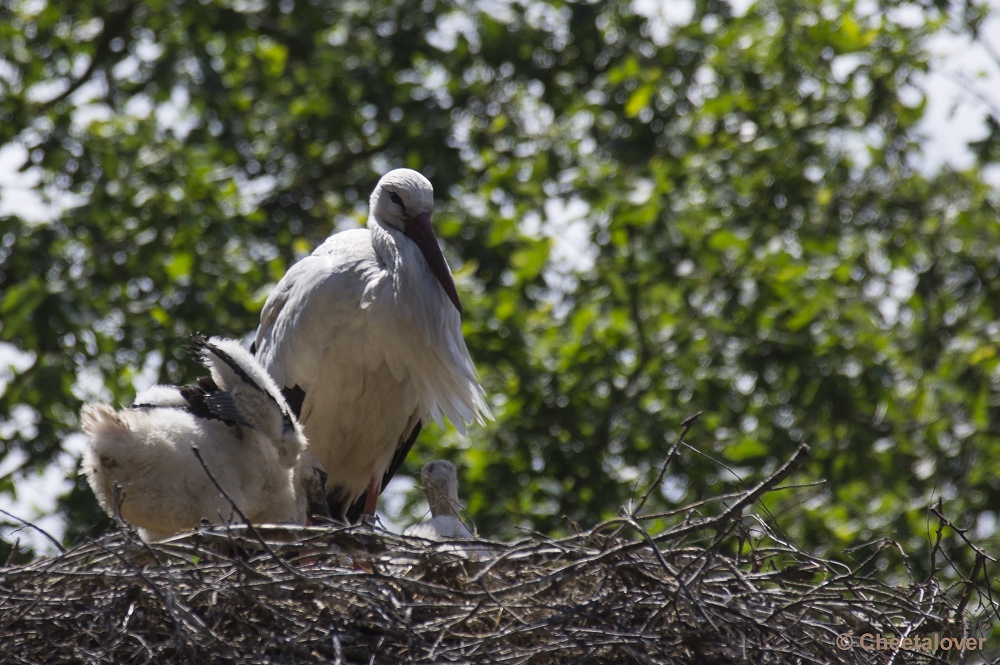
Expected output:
(322, 475)
(395, 198)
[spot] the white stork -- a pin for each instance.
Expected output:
(364, 336)
(244, 431)
(441, 487)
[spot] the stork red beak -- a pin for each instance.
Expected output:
(419, 230)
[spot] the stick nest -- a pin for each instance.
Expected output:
(718, 589)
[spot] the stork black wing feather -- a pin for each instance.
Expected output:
(224, 407)
(195, 398)
(402, 450)
(202, 347)
(207, 384)
(294, 397)
(212, 404)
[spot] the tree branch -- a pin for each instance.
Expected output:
(114, 26)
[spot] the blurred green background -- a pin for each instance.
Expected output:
(649, 215)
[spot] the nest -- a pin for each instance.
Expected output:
(613, 594)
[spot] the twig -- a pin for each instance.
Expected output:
(36, 528)
(167, 599)
(246, 520)
(338, 649)
(719, 521)
(716, 499)
(787, 469)
(686, 425)
(937, 512)
(970, 584)
(13, 552)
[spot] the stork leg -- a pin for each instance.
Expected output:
(371, 503)
(363, 563)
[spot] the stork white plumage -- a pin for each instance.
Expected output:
(364, 336)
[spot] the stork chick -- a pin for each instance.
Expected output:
(441, 487)
(245, 433)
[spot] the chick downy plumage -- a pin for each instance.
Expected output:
(244, 431)
(440, 480)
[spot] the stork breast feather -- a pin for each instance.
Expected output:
(340, 305)
(374, 288)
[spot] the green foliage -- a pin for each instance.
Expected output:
(761, 248)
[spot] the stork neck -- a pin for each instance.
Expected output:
(443, 500)
(384, 243)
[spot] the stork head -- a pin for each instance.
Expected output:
(441, 487)
(404, 200)
(310, 490)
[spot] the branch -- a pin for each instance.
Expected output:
(720, 521)
(114, 26)
(635, 307)
(765, 486)
(937, 512)
(686, 426)
(13, 552)
(36, 528)
(720, 497)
